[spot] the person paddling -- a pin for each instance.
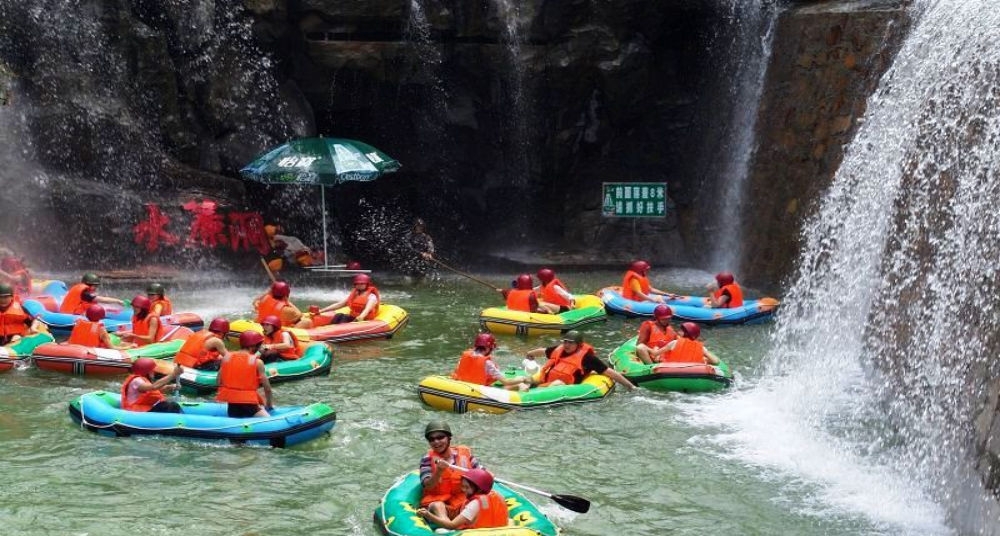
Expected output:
(484, 507)
(442, 493)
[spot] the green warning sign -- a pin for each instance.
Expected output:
(635, 200)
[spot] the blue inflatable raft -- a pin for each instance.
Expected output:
(691, 309)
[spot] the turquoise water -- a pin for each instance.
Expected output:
(651, 463)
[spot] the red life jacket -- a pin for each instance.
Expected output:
(73, 301)
(294, 352)
(472, 368)
(735, 295)
(358, 300)
(86, 333)
(520, 300)
(449, 486)
(685, 351)
(550, 295)
(238, 380)
(193, 353)
(141, 327)
(166, 307)
(145, 401)
(659, 336)
(492, 511)
(627, 291)
(567, 368)
(14, 320)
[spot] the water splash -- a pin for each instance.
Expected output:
(515, 90)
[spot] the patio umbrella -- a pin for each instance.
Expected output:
(322, 161)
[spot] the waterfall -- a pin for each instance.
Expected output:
(514, 95)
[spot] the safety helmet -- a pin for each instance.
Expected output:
(639, 266)
(663, 311)
(91, 279)
(219, 325)
(143, 366)
(545, 275)
(249, 339)
(724, 278)
(485, 340)
(94, 313)
(362, 279)
(437, 426)
(523, 282)
(353, 265)
(691, 330)
(573, 336)
(481, 478)
(280, 289)
(271, 320)
(155, 288)
(6, 290)
(141, 302)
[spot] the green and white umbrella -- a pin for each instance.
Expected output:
(322, 161)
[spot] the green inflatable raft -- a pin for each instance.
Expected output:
(681, 377)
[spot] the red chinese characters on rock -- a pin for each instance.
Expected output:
(152, 231)
(207, 226)
(208, 229)
(246, 231)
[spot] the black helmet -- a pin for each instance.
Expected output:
(155, 288)
(437, 426)
(573, 335)
(6, 290)
(91, 279)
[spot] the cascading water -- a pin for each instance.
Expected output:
(887, 338)
(517, 136)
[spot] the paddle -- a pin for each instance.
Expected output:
(268, 270)
(464, 274)
(570, 502)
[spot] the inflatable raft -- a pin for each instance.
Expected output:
(692, 309)
(502, 320)
(682, 377)
(18, 353)
(315, 361)
(446, 394)
(397, 513)
(287, 426)
(390, 319)
(84, 360)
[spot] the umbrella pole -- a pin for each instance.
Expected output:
(322, 201)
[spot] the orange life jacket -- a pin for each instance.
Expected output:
(550, 295)
(357, 301)
(141, 327)
(73, 301)
(492, 511)
(166, 307)
(685, 351)
(238, 379)
(520, 300)
(14, 320)
(627, 291)
(270, 305)
(86, 333)
(294, 352)
(449, 486)
(567, 368)
(735, 295)
(193, 353)
(659, 336)
(145, 401)
(472, 368)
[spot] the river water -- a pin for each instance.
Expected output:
(651, 463)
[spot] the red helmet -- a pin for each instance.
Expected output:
(353, 265)
(141, 303)
(280, 289)
(249, 339)
(362, 279)
(143, 366)
(271, 320)
(219, 325)
(639, 267)
(691, 330)
(663, 311)
(94, 313)
(545, 275)
(523, 282)
(481, 478)
(485, 340)
(724, 278)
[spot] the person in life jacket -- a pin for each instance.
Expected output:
(570, 362)
(82, 294)
(687, 348)
(476, 366)
(141, 393)
(726, 293)
(363, 302)
(15, 273)
(160, 304)
(146, 327)
(636, 285)
(655, 334)
(279, 343)
(91, 332)
(15, 322)
(553, 295)
(441, 482)
(484, 507)
(205, 349)
(522, 297)
(276, 302)
(241, 374)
